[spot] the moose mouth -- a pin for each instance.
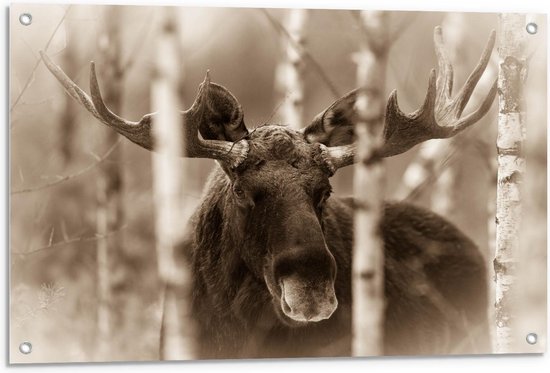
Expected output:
(304, 301)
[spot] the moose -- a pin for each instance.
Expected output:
(271, 249)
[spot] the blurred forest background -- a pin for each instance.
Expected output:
(55, 168)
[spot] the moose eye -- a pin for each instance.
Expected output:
(243, 198)
(322, 197)
(238, 192)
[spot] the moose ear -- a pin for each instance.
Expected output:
(220, 114)
(334, 126)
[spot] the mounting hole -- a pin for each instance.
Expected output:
(25, 19)
(25, 348)
(531, 28)
(531, 338)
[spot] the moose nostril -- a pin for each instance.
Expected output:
(310, 313)
(286, 306)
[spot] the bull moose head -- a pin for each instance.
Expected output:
(277, 178)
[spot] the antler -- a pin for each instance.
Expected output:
(438, 117)
(231, 153)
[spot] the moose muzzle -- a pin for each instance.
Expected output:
(307, 301)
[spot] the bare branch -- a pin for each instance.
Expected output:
(146, 29)
(449, 160)
(301, 49)
(70, 176)
(64, 243)
(38, 60)
(404, 26)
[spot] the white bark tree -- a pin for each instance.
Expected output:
(491, 244)
(368, 250)
(511, 168)
(169, 185)
(290, 72)
(109, 215)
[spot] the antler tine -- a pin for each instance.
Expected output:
(137, 132)
(100, 106)
(468, 88)
(445, 68)
(232, 154)
(72, 89)
(420, 125)
(427, 110)
(477, 114)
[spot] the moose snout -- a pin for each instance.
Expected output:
(306, 301)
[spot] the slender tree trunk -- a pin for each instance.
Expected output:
(70, 107)
(368, 250)
(511, 166)
(290, 74)
(109, 188)
(177, 331)
(491, 244)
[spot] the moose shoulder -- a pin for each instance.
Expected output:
(271, 249)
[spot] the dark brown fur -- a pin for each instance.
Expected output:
(435, 282)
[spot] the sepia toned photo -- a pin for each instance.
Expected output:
(231, 183)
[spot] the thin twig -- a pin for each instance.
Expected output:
(449, 159)
(396, 34)
(264, 123)
(67, 242)
(318, 68)
(70, 176)
(451, 155)
(138, 44)
(374, 45)
(38, 60)
(274, 111)
(393, 35)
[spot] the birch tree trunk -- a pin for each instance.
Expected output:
(491, 244)
(368, 250)
(290, 74)
(177, 331)
(511, 166)
(109, 216)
